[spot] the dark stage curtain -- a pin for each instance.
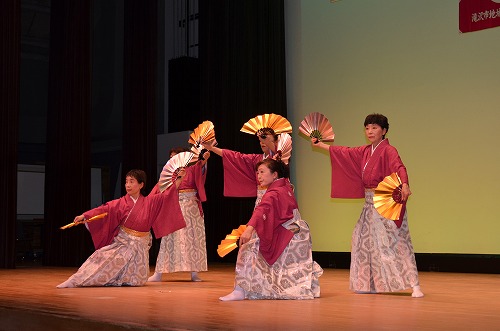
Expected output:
(10, 57)
(139, 93)
(139, 88)
(67, 170)
(242, 61)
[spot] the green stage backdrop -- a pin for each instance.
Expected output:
(440, 90)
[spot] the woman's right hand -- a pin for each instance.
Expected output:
(79, 219)
(246, 235)
(209, 145)
(315, 142)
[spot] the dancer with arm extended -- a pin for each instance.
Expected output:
(382, 256)
(122, 238)
(185, 249)
(275, 255)
(239, 168)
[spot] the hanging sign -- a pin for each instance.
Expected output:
(477, 15)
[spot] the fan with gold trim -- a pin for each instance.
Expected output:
(170, 171)
(387, 198)
(96, 217)
(230, 242)
(203, 133)
(316, 125)
(284, 148)
(278, 123)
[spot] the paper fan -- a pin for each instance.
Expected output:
(316, 125)
(196, 150)
(86, 221)
(203, 133)
(172, 167)
(230, 242)
(284, 149)
(387, 197)
(278, 123)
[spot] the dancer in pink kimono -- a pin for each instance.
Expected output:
(382, 257)
(239, 169)
(122, 238)
(185, 249)
(275, 255)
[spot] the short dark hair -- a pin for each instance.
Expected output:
(178, 150)
(378, 119)
(139, 175)
(275, 166)
(267, 132)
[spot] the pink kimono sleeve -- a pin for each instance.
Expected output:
(200, 176)
(104, 230)
(267, 219)
(346, 172)
(240, 179)
(166, 212)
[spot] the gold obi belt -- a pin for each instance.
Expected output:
(187, 190)
(133, 232)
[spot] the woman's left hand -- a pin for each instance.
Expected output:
(405, 192)
(246, 235)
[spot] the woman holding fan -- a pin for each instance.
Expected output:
(275, 255)
(239, 168)
(185, 249)
(382, 257)
(122, 238)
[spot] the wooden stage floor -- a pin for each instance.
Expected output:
(29, 300)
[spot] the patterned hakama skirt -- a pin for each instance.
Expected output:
(185, 249)
(382, 257)
(124, 262)
(293, 276)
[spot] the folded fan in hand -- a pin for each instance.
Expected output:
(278, 123)
(229, 243)
(86, 221)
(203, 133)
(284, 149)
(387, 198)
(171, 169)
(316, 125)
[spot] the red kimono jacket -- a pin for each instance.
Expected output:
(240, 177)
(162, 212)
(355, 168)
(195, 178)
(275, 208)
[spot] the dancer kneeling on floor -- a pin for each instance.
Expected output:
(122, 239)
(275, 255)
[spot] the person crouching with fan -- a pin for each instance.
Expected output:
(382, 257)
(185, 249)
(122, 238)
(275, 255)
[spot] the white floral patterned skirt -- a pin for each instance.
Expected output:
(185, 249)
(124, 262)
(293, 276)
(382, 257)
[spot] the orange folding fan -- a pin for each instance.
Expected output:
(230, 242)
(387, 197)
(278, 123)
